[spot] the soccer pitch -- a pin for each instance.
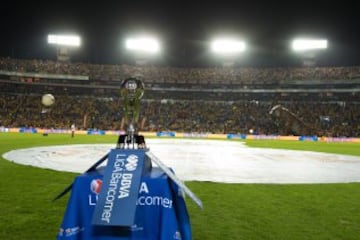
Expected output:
(231, 211)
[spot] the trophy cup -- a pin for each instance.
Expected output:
(131, 91)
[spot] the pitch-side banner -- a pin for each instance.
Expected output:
(116, 205)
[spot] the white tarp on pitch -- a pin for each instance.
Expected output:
(208, 160)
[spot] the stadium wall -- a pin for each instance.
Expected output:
(183, 135)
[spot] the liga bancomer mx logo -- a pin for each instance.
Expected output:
(126, 177)
(95, 185)
(120, 183)
(132, 162)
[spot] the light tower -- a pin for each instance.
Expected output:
(227, 49)
(143, 48)
(308, 49)
(64, 44)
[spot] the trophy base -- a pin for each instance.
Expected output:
(127, 141)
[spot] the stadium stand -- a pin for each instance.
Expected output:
(205, 100)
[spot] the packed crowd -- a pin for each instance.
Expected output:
(180, 75)
(165, 108)
(332, 119)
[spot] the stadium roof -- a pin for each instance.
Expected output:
(185, 29)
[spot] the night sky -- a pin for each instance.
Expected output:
(184, 29)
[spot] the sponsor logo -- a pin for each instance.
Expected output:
(145, 200)
(4, 129)
(177, 235)
(131, 85)
(121, 179)
(155, 201)
(195, 135)
(308, 138)
(95, 186)
(165, 134)
(135, 227)
(339, 139)
(70, 231)
(236, 136)
(270, 137)
(152, 200)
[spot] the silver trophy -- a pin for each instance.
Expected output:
(131, 91)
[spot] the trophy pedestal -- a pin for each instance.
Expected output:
(161, 212)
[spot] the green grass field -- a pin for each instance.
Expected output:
(231, 211)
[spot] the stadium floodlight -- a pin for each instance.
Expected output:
(64, 40)
(143, 44)
(228, 46)
(300, 45)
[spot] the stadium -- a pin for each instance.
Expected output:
(272, 151)
(182, 107)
